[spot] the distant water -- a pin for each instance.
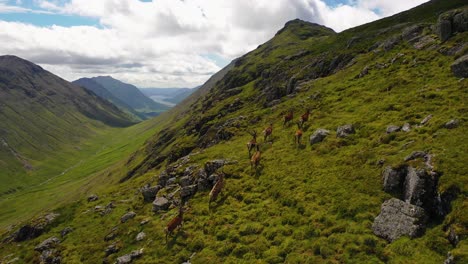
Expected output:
(161, 100)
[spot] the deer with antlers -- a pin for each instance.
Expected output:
(288, 117)
(175, 222)
(253, 142)
(217, 188)
(267, 132)
(255, 160)
(305, 117)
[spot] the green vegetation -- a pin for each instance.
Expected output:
(306, 204)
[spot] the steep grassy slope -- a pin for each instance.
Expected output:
(305, 204)
(131, 96)
(41, 115)
(102, 92)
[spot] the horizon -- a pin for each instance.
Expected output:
(156, 44)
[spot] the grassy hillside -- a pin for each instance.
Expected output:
(304, 204)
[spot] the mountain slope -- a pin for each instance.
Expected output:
(102, 92)
(41, 114)
(305, 203)
(131, 95)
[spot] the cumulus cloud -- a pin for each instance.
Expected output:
(163, 43)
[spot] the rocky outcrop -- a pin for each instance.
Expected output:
(125, 259)
(149, 193)
(393, 179)
(66, 231)
(420, 188)
(127, 216)
(398, 218)
(452, 124)
(460, 67)
(318, 136)
(34, 229)
(452, 22)
(49, 253)
(160, 203)
(111, 249)
(344, 131)
(188, 191)
(416, 155)
(93, 197)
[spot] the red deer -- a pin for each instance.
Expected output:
(175, 222)
(255, 160)
(267, 132)
(288, 117)
(217, 188)
(304, 118)
(253, 142)
(298, 135)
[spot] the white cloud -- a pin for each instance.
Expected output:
(161, 43)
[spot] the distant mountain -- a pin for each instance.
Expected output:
(41, 113)
(168, 95)
(131, 95)
(102, 92)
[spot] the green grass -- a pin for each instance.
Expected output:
(309, 204)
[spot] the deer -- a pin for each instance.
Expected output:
(288, 117)
(217, 188)
(255, 160)
(175, 222)
(298, 134)
(305, 117)
(253, 142)
(267, 132)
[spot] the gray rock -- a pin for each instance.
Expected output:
(397, 219)
(127, 216)
(111, 249)
(453, 237)
(141, 236)
(416, 155)
(149, 193)
(426, 119)
(31, 231)
(171, 181)
(460, 67)
(188, 191)
(213, 165)
(125, 259)
(47, 244)
(406, 127)
(450, 259)
(391, 42)
(93, 197)
(163, 177)
(420, 188)
(444, 28)
(412, 32)
(344, 131)
(318, 136)
(160, 203)
(112, 234)
(66, 231)
(144, 222)
(393, 179)
(451, 124)
(185, 181)
(50, 257)
(363, 73)
(393, 129)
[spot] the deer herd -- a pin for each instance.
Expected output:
(252, 145)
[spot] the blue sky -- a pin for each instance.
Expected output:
(162, 43)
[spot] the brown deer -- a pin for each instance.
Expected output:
(267, 132)
(253, 142)
(255, 160)
(217, 188)
(175, 222)
(298, 134)
(288, 117)
(305, 117)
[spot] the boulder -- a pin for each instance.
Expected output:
(93, 197)
(344, 131)
(452, 22)
(188, 191)
(125, 259)
(112, 234)
(127, 216)
(111, 249)
(149, 193)
(185, 181)
(140, 236)
(393, 179)
(34, 229)
(66, 231)
(420, 188)
(318, 136)
(416, 155)
(163, 178)
(406, 127)
(393, 129)
(397, 219)
(50, 257)
(47, 244)
(160, 203)
(426, 119)
(460, 67)
(451, 124)
(213, 165)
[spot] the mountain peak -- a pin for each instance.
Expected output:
(18, 64)
(304, 29)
